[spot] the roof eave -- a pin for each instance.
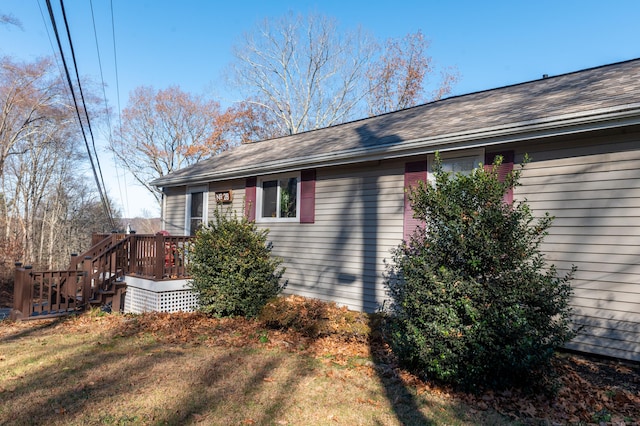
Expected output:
(515, 132)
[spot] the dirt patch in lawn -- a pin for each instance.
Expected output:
(188, 368)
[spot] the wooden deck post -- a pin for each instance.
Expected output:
(22, 292)
(160, 257)
(73, 262)
(27, 290)
(87, 269)
(16, 312)
(133, 254)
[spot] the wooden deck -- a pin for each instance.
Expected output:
(97, 276)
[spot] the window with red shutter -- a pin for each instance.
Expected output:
(288, 197)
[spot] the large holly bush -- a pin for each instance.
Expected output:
(232, 268)
(473, 301)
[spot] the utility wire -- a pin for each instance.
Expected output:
(115, 60)
(84, 136)
(86, 113)
(53, 49)
(104, 95)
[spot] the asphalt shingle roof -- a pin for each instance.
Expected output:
(577, 95)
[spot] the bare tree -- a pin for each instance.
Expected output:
(166, 130)
(39, 162)
(397, 78)
(252, 123)
(36, 183)
(32, 106)
(31, 95)
(81, 215)
(303, 72)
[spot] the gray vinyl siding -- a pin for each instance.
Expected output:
(237, 205)
(174, 209)
(593, 190)
(176, 204)
(339, 257)
(358, 219)
(592, 187)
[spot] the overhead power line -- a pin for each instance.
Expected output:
(84, 107)
(106, 104)
(124, 198)
(115, 62)
(99, 184)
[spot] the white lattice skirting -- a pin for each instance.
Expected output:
(158, 296)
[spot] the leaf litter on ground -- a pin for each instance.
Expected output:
(591, 390)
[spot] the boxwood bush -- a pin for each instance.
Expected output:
(473, 301)
(232, 268)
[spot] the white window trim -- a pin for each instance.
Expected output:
(163, 211)
(187, 206)
(478, 153)
(259, 218)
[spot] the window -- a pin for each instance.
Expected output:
(278, 198)
(415, 171)
(457, 162)
(305, 198)
(196, 209)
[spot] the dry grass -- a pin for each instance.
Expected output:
(188, 369)
(317, 364)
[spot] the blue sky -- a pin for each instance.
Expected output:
(188, 43)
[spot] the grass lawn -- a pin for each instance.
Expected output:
(190, 369)
(156, 370)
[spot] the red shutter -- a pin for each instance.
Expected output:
(250, 198)
(413, 172)
(505, 168)
(308, 196)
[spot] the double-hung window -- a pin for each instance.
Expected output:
(454, 161)
(196, 208)
(457, 162)
(278, 198)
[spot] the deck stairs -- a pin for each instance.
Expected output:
(96, 278)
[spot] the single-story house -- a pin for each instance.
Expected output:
(335, 203)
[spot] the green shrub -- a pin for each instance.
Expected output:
(473, 301)
(232, 269)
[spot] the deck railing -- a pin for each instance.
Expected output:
(48, 293)
(158, 257)
(97, 275)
